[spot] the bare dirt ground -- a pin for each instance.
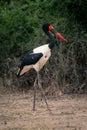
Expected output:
(68, 112)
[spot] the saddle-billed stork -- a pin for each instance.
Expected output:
(38, 57)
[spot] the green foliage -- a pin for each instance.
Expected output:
(16, 27)
(77, 11)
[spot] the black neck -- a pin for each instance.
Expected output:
(51, 45)
(52, 40)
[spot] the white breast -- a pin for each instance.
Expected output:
(46, 55)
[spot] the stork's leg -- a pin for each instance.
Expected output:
(42, 91)
(34, 100)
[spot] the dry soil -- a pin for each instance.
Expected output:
(68, 112)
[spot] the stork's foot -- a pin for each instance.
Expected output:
(49, 109)
(33, 109)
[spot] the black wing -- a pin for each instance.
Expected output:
(30, 59)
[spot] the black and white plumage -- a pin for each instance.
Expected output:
(35, 59)
(38, 57)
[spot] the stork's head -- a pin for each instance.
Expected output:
(48, 27)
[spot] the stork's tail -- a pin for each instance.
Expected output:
(20, 68)
(18, 72)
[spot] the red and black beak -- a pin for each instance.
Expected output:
(58, 35)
